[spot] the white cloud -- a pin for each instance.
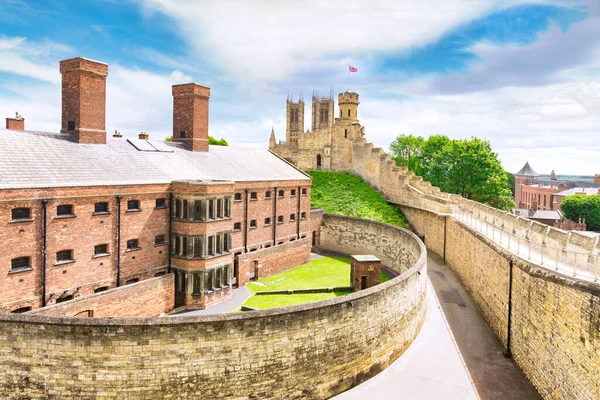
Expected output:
(270, 41)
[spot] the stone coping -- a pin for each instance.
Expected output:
(533, 269)
(342, 301)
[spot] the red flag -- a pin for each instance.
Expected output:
(352, 69)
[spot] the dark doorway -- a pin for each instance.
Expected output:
(314, 238)
(363, 282)
(318, 161)
(236, 270)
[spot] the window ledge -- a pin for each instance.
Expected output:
(16, 221)
(100, 255)
(237, 230)
(268, 198)
(160, 244)
(133, 210)
(252, 227)
(161, 207)
(134, 249)
(279, 223)
(19, 270)
(281, 197)
(64, 262)
(64, 216)
(101, 213)
(237, 201)
(268, 224)
(253, 199)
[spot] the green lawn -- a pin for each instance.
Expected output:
(282, 300)
(319, 273)
(345, 194)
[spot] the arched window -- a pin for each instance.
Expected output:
(348, 112)
(346, 133)
(318, 161)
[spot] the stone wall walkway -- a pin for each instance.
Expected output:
(455, 356)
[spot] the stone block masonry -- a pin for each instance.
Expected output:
(309, 351)
(148, 298)
(554, 329)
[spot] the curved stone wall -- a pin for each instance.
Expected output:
(307, 351)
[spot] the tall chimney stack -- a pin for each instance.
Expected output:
(552, 175)
(84, 99)
(16, 124)
(190, 115)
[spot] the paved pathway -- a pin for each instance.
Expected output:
(430, 369)
(495, 376)
(240, 295)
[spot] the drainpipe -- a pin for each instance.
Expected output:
(170, 229)
(246, 221)
(44, 249)
(298, 215)
(118, 197)
(274, 221)
(507, 352)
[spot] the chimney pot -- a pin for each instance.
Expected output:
(144, 136)
(16, 124)
(117, 134)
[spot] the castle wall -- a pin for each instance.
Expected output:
(311, 351)
(148, 298)
(555, 320)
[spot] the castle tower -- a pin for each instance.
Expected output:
(84, 99)
(322, 111)
(294, 120)
(348, 103)
(190, 115)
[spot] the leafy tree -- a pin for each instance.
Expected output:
(211, 140)
(511, 182)
(581, 206)
(406, 150)
(467, 167)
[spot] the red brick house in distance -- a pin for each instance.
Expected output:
(80, 214)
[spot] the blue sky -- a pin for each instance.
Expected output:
(523, 73)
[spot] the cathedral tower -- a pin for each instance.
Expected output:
(294, 120)
(322, 111)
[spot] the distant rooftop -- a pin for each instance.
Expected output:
(578, 190)
(40, 159)
(527, 171)
(539, 214)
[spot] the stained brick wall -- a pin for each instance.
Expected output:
(308, 351)
(148, 298)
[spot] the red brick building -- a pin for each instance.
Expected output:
(80, 213)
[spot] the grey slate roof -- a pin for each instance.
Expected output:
(578, 190)
(527, 171)
(38, 159)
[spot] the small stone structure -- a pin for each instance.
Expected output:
(365, 271)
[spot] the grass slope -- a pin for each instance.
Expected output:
(345, 194)
(283, 300)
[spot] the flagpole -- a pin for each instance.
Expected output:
(348, 78)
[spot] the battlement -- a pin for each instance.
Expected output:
(348, 98)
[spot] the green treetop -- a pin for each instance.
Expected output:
(211, 140)
(467, 167)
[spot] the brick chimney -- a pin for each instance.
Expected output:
(534, 204)
(190, 115)
(552, 175)
(597, 178)
(143, 136)
(84, 99)
(16, 124)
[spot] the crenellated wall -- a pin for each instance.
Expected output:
(310, 351)
(555, 319)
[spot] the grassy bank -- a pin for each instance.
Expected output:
(345, 194)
